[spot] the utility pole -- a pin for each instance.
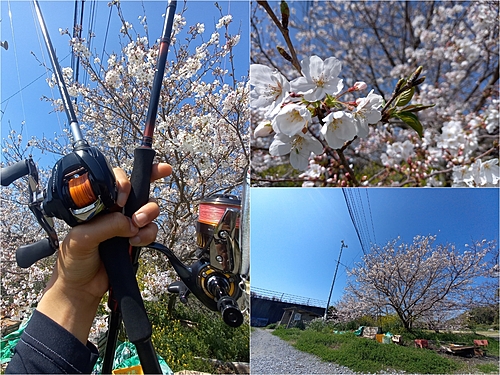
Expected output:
(334, 277)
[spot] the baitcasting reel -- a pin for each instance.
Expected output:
(215, 279)
(81, 186)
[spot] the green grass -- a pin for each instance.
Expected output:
(488, 368)
(367, 356)
(206, 336)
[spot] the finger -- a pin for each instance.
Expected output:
(123, 185)
(160, 170)
(101, 228)
(145, 236)
(146, 214)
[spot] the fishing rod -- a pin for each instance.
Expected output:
(82, 185)
(119, 258)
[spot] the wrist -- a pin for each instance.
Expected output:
(72, 308)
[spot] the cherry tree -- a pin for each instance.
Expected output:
(421, 281)
(432, 76)
(201, 130)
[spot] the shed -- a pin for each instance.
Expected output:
(293, 315)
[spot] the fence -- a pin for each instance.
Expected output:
(284, 297)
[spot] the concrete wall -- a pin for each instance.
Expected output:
(265, 311)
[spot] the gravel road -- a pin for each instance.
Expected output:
(271, 355)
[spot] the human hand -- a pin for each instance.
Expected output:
(79, 279)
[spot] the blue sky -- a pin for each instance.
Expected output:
(296, 233)
(20, 68)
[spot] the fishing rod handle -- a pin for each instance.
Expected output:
(121, 269)
(140, 179)
(11, 173)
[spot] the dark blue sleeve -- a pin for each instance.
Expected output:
(47, 348)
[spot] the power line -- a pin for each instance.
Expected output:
(29, 84)
(351, 214)
(371, 217)
(360, 217)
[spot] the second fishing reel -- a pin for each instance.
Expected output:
(215, 278)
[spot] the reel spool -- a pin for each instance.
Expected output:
(82, 185)
(211, 211)
(80, 190)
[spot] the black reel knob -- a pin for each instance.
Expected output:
(231, 314)
(219, 286)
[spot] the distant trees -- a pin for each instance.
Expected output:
(421, 281)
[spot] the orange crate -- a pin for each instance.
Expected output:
(129, 370)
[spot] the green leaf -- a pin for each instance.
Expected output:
(412, 121)
(405, 97)
(331, 101)
(417, 107)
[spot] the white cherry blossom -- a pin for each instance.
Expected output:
(367, 112)
(396, 153)
(299, 147)
(320, 78)
(291, 119)
(270, 87)
(338, 128)
(263, 129)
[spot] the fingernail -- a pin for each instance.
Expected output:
(121, 199)
(135, 240)
(133, 226)
(139, 219)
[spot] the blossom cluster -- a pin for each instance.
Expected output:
(291, 108)
(458, 45)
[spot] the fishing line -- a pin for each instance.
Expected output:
(106, 35)
(25, 125)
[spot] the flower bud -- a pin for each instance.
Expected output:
(284, 53)
(263, 129)
(285, 14)
(359, 86)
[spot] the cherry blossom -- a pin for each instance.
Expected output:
(291, 119)
(418, 280)
(452, 119)
(202, 130)
(367, 112)
(397, 152)
(338, 127)
(270, 87)
(299, 146)
(263, 129)
(320, 78)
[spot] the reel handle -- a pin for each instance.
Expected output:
(27, 255)
(227, 306)
(11, 173)
(181, 289)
